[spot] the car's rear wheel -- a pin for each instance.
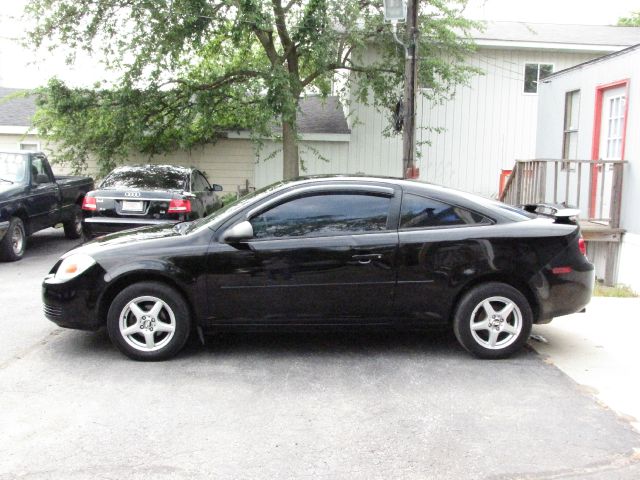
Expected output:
(493, 320)
(73, 228)
(149, 321)
(14, 242)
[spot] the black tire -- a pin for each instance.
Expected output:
(493, 335)
(73, 228)
(14, 242)
(121, 316)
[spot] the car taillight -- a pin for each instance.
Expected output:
(179, 206)
(89, 203)
(582, 246)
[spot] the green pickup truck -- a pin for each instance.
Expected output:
(33, 198)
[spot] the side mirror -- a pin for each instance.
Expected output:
(237, 233)
(41, 178)
(216, 188)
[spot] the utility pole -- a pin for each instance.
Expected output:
(396, 11)
(410, 80)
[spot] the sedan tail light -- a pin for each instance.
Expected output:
(582, 245)
(179, 206)
(89, 203)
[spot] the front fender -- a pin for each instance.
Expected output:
(119, 277)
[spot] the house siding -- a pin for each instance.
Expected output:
(229, 163)
(316, 158)
(487, 125)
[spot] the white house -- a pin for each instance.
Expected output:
(487, 124)
(590, 115)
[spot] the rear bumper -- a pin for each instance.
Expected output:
(96, 226)
(563, 294)
(4, 226)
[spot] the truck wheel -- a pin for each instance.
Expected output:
(14, 242)
(73, 228)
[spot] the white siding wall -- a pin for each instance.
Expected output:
(229, 163)
(317, 158)
(488, 124)
(12, 142)
(549, 141)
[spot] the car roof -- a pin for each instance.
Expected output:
(446, 194)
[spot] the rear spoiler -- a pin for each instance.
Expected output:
(559, 213)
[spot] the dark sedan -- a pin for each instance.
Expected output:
(139, 195)
(331, 250)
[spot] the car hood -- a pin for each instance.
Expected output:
(134, 238)
(7, 190)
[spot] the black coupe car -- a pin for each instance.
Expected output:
(330, 250)
(137, 195)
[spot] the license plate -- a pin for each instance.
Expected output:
(131, 206)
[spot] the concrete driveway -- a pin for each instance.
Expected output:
(332, 404)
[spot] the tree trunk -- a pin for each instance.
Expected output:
(290, 154)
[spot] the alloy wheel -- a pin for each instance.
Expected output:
(147, 323)
(496, 323)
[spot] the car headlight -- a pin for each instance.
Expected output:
(74, 265)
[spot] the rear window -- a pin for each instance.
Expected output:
(150, 177)
(422, 212)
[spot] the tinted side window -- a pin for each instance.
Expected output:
(424, 212)
(199, 182)
(323, 214)
(39, 173)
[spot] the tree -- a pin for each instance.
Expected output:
(192, 69)
(632, 20)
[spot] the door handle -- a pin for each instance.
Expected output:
(364, 259)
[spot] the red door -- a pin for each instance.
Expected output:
(608, 142)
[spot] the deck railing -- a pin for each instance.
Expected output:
(594, 187)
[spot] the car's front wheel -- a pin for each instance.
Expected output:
(149, 321)
(493, 320)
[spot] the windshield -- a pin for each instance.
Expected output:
(234, 207)
(147, 177)
(13, 167)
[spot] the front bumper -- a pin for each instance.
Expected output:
(97, 226)
(4, 227)
(74, 303)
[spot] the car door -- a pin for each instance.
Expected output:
(44, 196)
(317, 256)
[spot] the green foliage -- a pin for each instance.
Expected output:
(228, 198)
(632, 20)
(190, 70)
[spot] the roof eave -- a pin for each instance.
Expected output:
(559, 47)
(309, 137)
(17, 130)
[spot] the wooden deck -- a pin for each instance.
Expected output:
(600, 232)
(593, 186)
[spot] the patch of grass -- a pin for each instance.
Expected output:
(227, 198)
(621, 291)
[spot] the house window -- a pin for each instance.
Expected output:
(29, 146)
(534, 73)
(570, 135)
